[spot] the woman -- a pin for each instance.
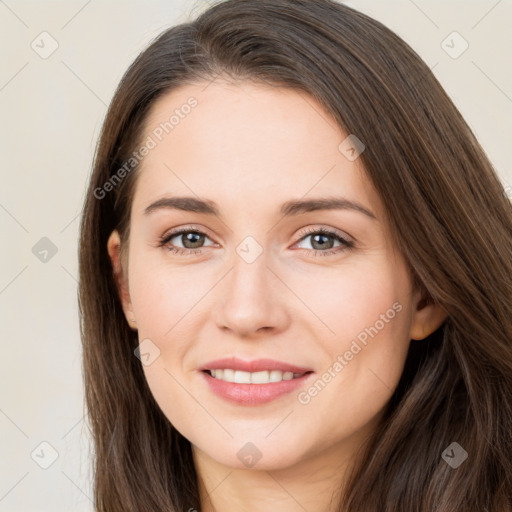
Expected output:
(295, 276)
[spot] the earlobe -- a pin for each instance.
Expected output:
(114, 252)
(427, 318)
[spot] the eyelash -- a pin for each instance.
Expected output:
(346, 244)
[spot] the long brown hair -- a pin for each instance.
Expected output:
(450, 218)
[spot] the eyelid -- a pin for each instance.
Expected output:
(328, 231)
(179, 230)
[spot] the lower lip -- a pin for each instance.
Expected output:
(253, 394)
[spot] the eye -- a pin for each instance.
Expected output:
(192, 240)
(321, 244)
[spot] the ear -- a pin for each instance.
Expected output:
(427, 316)
(114, 251)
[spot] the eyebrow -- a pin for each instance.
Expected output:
(290, 208)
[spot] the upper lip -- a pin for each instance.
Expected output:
(257, 365)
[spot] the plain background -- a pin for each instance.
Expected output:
(51, 112)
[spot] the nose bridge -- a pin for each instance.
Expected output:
(250, 271)
(250, 299)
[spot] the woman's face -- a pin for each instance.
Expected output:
(259, 281)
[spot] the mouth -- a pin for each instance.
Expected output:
(253, 388)
(260, 377)
(255, 382)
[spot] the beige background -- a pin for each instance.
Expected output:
(51, 111)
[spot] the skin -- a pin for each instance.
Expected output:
(249, 148)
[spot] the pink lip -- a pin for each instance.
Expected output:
(253, 394)
(257, 365)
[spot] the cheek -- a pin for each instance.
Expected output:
(163, 298)
(163, 301)
(368, 313)
(361, 376)
(353, 298)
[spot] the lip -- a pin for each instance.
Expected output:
(253, 394)
(258, 365)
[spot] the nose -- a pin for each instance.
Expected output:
(251, 300)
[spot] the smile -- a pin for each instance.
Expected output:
(252, 393)
(262, 377)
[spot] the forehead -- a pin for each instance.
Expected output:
(247, 145)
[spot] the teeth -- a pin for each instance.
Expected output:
(264, 377)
